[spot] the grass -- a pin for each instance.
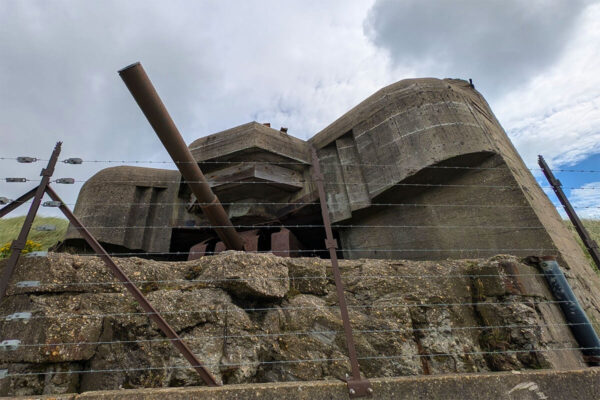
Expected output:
(593, 228)
(10, 228)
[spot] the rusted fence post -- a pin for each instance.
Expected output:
(357, 386)
(590, 244)
(19, 244)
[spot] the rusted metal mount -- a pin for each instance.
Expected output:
(590, 244)
(148, 100)
(283, 244)
(357, 386)
(19, 244)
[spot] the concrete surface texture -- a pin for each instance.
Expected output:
(255, 318)
(432, 147)
(530, 385)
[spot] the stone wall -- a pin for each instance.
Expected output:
(261, 318)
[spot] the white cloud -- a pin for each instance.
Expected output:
(586, 200)
(216, 65)
(498, 43)
(298, 64)
(557, 113)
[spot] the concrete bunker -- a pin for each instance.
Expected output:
(419, 170)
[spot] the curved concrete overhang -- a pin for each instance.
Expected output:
(119, 200)
(399, 131)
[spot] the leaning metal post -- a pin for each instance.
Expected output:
(19, 244)
(147, 98)
(589, 243)
(152, 313)
(357, 386)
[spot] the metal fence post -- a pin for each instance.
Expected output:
(19, 244)
(590, 244)
(357, 386)
(153, 314)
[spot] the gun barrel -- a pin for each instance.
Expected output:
(147, 98)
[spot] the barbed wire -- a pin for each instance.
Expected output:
(292, 278)
(299, 361)
(366, 183)
(314, 203)
(297, 226)
(311, 251)
(298, 308)
(306, 333)
(307, 163)
(550, 251)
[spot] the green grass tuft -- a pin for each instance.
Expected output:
(10, 228)
(593, 228)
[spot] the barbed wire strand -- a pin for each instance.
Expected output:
(291, 278)
(312, 251)
(299, 361)
(266, 309)
(366, 183)
(306, 163)
(305, 333)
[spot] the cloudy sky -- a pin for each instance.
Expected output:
(300, 64)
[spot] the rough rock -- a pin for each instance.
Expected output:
(245, 274)
(307, 275)
(255, 318)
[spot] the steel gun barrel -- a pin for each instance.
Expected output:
(145, 95)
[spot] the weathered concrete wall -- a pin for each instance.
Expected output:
(475, 215)
(125, 206)
(247, 315)
(368, 155)
(417, 123)
(403, 128)
(529, 385)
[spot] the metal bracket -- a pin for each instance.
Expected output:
(45, 228)
(4, 200)
(10, 344)
(17, 245)
(25, 315)
(73, 160)
(12, 180)
(331, 244)
(556, 182)
(37, 254)
(26, 160)
(26, 284)
(359, 388)
(68, 181)
(52, 204)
